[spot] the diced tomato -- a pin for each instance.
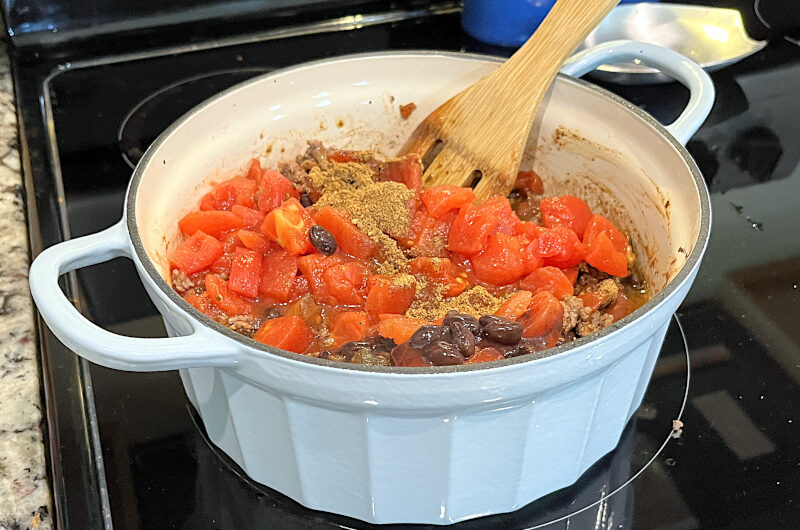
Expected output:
(559, 247)
(439, 200)
(485, 355)
(224, 298)
(196, 253)
(251, 219)
(471, 230)
(349, 326)
(343, 156)
(287, 333)
(212, 223)
(441, 271)
(529, 182)
(201, 302)
(527, 232)
(566, 210)
(349, 238)
(606, 247)
(406, 170)
(602, 255)
(598, 224)
(398, 327)
(254, 241)
(433, 236)
(545, 319)
(312, 266)
(255, 172)
(238, 190)
(274, 190)
(501, 262)
(299, 286)
(499, 207)
(516, 305)
(222, 265)
(386, 295)
(288, 226)
(347, 283)
(572, 274)
(530, 257)
(550, 279)
(620, 308)
(405, 355)
(407, 109)
(245, 272)
(278, 273)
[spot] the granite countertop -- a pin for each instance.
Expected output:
(24, 488)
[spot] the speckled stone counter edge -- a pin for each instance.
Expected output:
(24, 489)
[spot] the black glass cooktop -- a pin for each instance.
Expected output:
(127, 450)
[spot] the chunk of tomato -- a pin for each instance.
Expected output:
(254, 241)
(213, 223)
(550, 279)
(349, 238)
(347, 283)
(471, 229)
(349, 326)
(485, 355)
(441, 271)
(278, 272)
(544, 320)
(287, 333)
(406, 170)
(439, 200)
(288, 226)
(599, 224)
(254, 172)
(198, 252)
(221, 296)
(251, 219)
(398, 327)
(312, 267)
(501, 262)
(245, 274)
(516, 305)
(274, 190)
(566, 210)
(499, 207)
(603, 255)
(386, 295)
(559, 247)
(238, 190)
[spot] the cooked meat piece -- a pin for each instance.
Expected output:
(242, 324)
(292, 171)
(316, 152)
(595, 322)
(572, 312)
(608, 289)
(180, 281)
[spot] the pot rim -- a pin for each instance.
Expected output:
(258, 349)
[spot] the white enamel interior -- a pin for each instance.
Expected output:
(420, 447)
(587, 144)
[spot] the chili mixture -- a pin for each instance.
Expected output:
(342, 255)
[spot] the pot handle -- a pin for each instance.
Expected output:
(670, 62)
(96, 344)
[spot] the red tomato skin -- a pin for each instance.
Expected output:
(251, 219)
(198, 252)
(545, 319)
(385, 296)
(288, 226)
(407, 171)
(566, 210)
(559, 247)
(597, 224)
(602, 255)
(245, 272)
(550, 279)
(347, 283)
(440, 200)
(349, 238)
(499, 207)
(470, 230)
(349, 326)
(254, 172)
(501, 262)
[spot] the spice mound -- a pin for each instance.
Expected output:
(342, 255)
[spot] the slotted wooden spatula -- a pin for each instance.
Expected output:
(480, 133)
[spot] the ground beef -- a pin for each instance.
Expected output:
(180, 281)
(572, 313)
(296, 174)
(244, 324)
(316, 152)
(594, 322)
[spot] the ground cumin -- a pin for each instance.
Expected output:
(476, 301)
(382, 210)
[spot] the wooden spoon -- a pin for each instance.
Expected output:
(480, 133)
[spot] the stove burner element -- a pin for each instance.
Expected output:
(152, 115)
(601, 493)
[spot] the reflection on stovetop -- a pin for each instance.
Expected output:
(738, 460)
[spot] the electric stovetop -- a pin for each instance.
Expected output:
(126, 449)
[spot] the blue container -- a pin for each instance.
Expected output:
(506, 22)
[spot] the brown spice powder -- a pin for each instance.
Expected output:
(476, 302)
(382, 210)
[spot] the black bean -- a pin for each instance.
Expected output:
(468, 320)
(502, 330)
(382, 344)
(322, 240)
(323, 354)
(525, 346)
(428, 334)
(488, 319)
(305, 200)
(442, 353)
(463, 339)
(349, 349)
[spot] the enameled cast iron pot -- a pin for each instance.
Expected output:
(386, 444)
